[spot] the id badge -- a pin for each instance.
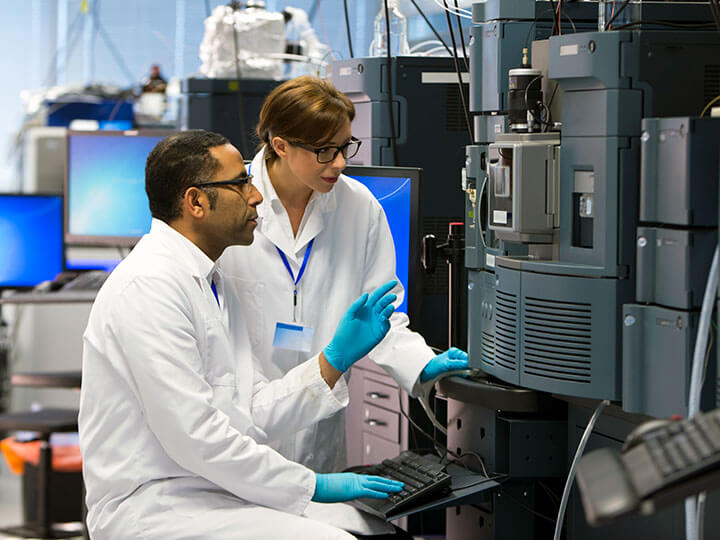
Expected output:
(292, 336)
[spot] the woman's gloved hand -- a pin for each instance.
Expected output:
(339, 487)
(451, 359)
(362, 327)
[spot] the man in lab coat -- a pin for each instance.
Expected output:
(173, 419)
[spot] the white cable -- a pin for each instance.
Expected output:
(427, 386)
(423, 43)
(466, 14)
(434, 50)
(693, 513)
(454, 9)
(702, 335)
(571, 474)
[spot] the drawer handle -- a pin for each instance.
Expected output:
(374, 422)
(377, 395)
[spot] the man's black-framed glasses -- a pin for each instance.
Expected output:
(326, 154)
(241, 181)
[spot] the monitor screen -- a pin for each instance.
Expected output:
(397, 189)
(105, 195)
(32, 239)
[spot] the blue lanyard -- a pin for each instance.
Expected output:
(214, 290)
(302, 268)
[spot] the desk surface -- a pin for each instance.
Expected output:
(48, 379)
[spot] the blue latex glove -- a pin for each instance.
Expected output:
(362, 327)
(339, 487)
(451, 359)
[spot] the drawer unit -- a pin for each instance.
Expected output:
(375, 449)
(374, 423)
(380, 394)
(381, 422)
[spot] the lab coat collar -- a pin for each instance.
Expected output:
(275, 225)
(185, 251)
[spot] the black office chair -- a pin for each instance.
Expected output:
(47, 514)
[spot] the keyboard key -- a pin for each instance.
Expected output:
(686, 448)
(676, 458)
(698, 440)
(658, 455)
(410, 469)
(710, 430)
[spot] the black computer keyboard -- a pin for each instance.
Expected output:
(661, 467)
(422, 476)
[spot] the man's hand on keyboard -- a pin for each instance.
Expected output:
(339, 487)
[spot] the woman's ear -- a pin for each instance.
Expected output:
(280, 146)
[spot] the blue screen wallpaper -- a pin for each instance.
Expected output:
(106, 185)
(31, 232)
(394, 195)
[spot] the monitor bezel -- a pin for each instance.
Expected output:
(39, 195)
(99, 240)
(414, 292)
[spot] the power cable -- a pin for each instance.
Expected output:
(526, 507)
(710, 104)
(427, 21)
(715, 10)
(393, 137)
(573, 467)
(322, 27)
(241, 105)
(347, 27)
(467, 14)
(462, 40)
(555, 22)
(111, 47)
(459, 75)
(615, 15)
(665, 23)
(559, 17)
(570, 21)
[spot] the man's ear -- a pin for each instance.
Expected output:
(280, 146)
(195, 203)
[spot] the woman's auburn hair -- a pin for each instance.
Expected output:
(305, 109)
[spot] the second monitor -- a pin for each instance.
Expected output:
(105, 199)
(397, 190)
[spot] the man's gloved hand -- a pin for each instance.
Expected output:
(451, 359)
(362, 327)
(339, 487)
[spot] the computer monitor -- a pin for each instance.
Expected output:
(397, 190)
(31, 229)
(105, 199)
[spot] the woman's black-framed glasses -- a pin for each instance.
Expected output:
(326, 154)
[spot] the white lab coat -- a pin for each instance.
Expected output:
(353, 253)
(173, 421)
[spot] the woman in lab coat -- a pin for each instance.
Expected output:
(323, 239)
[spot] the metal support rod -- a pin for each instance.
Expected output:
(44, 521)
(457, 290)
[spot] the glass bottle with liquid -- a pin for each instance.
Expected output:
(398, 31)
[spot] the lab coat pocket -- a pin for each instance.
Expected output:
(219, 369)
(250, 294)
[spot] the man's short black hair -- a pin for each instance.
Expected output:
(176, 163)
